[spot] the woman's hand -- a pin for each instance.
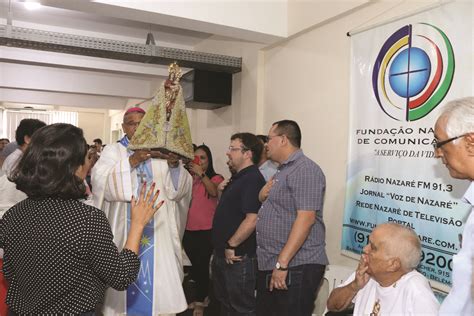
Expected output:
(144, 208)
(142, 211)
(195, 168)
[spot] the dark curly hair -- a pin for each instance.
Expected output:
(48, 166)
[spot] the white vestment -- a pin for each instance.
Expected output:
(113, 183)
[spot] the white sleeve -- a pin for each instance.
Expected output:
(112, 176)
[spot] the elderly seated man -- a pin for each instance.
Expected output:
(386, 282)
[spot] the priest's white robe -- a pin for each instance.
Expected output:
(113, 183)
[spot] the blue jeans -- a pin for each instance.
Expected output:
(298, 300)
(234, 285)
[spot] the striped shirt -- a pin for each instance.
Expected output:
(299, 185)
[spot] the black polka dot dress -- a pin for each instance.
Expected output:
(59, 257)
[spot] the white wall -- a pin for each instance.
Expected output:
(303, 14)
(214, 127)
(93, 124)
(307, 79)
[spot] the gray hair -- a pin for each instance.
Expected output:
(459, 115)
(404, 244)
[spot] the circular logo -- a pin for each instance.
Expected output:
(412, 74)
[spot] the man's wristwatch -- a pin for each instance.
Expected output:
(279, 267)
(227, 246)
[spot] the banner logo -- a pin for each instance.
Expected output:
(413, 72)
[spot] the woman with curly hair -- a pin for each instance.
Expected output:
(59, 254)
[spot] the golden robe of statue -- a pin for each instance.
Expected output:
(165, 125)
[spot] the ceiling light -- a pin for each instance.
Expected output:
(32, 4)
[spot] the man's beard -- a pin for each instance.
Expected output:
(231, 167)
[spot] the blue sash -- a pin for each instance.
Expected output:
(140, 293)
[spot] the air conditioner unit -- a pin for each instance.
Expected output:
(204, 89)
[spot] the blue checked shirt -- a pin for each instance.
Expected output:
(299, 185)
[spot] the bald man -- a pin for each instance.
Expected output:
(386, 282)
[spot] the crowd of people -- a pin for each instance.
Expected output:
(117, 245)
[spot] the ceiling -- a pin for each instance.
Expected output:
(118, 28)
(29, 76)
(51, 78)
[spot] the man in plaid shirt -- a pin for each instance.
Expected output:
(290, 230)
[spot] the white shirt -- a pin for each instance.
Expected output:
(9, 194)
(268, 169)
(410, 295)
(11, 161)
(460, 298)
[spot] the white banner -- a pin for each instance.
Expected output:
(402, 73)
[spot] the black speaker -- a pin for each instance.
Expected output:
(204, 89)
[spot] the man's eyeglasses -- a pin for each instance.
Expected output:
(269, 138)
(231, 148)
(438, 144)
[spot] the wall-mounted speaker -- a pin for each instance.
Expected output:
(204, 89)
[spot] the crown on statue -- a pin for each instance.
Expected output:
(174, 72)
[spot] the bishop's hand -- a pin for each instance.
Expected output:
(138, 157)
(171, 158)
